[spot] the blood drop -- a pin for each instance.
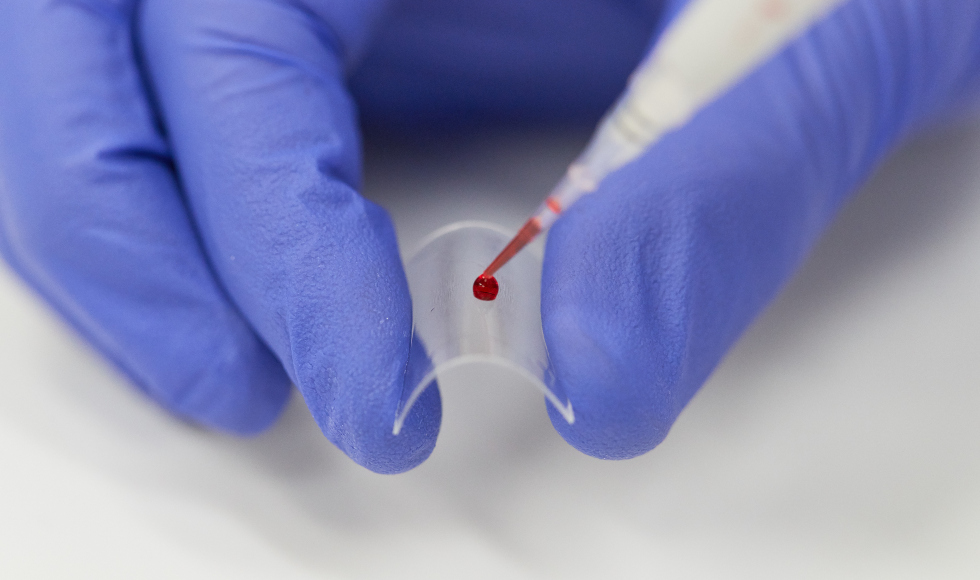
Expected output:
(485, 287)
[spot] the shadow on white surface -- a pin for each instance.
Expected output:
(839, 439)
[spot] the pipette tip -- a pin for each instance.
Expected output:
(528, 231)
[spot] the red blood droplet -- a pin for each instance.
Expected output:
(485, 287)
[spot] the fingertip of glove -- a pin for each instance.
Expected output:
(620, 412)
(368, 439)
(605, 439)
(415, 442)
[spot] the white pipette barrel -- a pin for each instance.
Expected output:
(711, 45)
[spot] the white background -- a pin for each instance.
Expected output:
(839, 439)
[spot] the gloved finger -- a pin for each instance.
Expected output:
(648, 281)
(91, 216)
(264, 133)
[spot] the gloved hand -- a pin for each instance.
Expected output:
(683, 248)
(178, 178)
(186, 194)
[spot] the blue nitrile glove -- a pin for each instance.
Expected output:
(205, 257)
(277, 248)
(650, 280)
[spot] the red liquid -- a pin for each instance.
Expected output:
(485, 287)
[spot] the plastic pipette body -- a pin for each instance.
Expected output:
(711, 45)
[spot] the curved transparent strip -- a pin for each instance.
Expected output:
(453, 328)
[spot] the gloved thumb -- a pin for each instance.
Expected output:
(648, 281)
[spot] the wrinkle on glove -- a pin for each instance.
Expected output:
(650, 280)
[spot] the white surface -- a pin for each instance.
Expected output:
(840, 438)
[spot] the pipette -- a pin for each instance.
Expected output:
(711, 45)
